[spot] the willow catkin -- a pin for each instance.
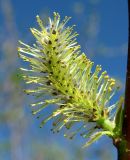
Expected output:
(59, 74)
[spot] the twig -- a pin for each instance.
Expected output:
(123, 151)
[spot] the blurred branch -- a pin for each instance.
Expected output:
(11, 100)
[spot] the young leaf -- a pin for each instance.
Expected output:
(119, 116)
(96, 136)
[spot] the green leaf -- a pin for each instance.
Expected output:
(119, 116)
(96, 136)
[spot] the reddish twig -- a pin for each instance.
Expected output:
(125, 155)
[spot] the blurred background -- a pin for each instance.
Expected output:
(103, 35)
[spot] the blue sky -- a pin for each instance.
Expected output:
(103, 35)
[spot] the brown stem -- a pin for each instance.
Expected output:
(124, 146)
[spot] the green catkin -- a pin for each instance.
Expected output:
(60, 74)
